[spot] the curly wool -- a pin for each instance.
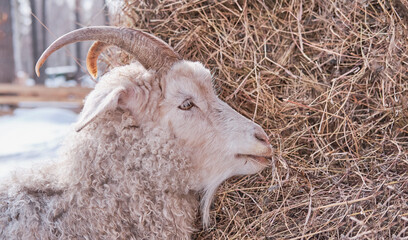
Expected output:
(117, 180)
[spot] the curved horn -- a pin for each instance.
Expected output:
(149, 50)
(92, 58)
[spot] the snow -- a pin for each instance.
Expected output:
(32, 135)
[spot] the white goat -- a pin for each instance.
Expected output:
(150, 137)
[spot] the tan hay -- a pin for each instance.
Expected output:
(328, 81)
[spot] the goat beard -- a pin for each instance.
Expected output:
(207, 198)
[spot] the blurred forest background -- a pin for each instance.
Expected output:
(28, 27)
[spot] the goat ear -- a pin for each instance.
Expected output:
(98, 102)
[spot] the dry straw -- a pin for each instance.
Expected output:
(327, 79)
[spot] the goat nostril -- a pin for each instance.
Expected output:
(262, 137)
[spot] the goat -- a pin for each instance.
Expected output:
(151, 136)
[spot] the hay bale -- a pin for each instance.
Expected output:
(328, 81)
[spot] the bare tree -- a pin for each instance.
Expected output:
(7, 68)
(36, 46)
(44, 21)
(78, 44)
(106, 12)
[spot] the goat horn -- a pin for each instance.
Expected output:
(92, 58)
(149, 50)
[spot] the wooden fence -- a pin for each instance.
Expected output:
(12, 96)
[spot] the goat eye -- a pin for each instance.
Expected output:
(186, 105)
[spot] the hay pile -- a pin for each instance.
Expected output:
(328, 82)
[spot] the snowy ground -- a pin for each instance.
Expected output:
(32, 135)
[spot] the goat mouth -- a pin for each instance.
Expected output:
(264, 160)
